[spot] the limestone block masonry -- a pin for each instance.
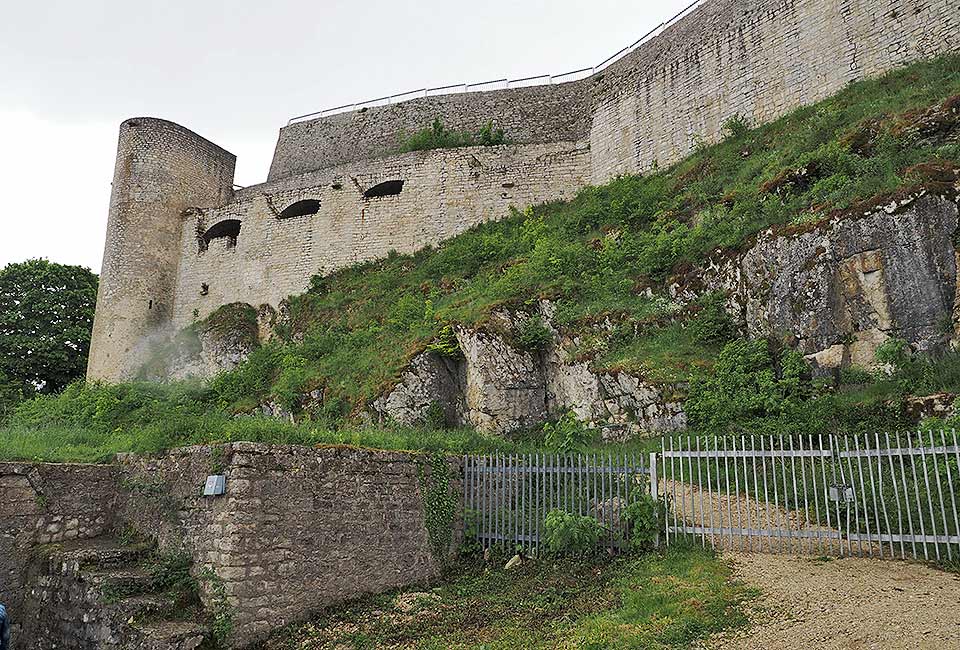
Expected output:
(297, 530)
(181, 243)
(161, 169)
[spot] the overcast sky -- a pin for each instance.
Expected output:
(234, 72)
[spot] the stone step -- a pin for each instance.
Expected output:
(145, 607)
(98, 553)
(121, 583)
(171, 635)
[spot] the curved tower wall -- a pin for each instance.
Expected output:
(161, 169)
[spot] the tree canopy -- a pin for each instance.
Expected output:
(46, 317)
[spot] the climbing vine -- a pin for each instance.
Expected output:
(439, 503)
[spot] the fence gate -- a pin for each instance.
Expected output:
(876, 495)
(507, 497)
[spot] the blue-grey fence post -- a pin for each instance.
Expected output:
(654, 491)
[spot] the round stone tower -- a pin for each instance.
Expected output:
(161, 169)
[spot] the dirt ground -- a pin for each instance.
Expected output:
(848, 603)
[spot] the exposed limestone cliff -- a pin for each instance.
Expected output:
(498, 388)
(839, 289)
(836, 290)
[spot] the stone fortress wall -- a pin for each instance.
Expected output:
(728, 57)
(445, 192)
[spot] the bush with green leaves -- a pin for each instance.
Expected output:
(918, 374)
(735, 126)
(712, 324)
(569, 534)
(446, 344)
(645, 518)
(748, 383)
(533, 334)
(567, 434)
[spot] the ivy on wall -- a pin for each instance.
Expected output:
(439, 502)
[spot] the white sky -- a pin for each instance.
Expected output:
(234, 72)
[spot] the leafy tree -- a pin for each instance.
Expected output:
(46, 316)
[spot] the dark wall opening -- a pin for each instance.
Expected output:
(228, 228)
(386, 188)
(300, 209)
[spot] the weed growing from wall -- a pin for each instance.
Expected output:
(439, 503)
(438, 136)
(219, 607)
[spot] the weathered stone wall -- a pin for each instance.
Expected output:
(727, 57)
(754, 59)
(161, 169)
(47, 504)
(552, 113)
(298, 529)
(444, 193)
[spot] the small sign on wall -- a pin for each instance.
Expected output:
(216, 485)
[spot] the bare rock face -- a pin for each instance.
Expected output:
(621, 405)
(431, 381)
(498, 388)
(219, 343)
(217, 351)
(505, 387)
(841, 288)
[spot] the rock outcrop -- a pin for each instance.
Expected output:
(220, 342)
(496, 387)
(838, 289)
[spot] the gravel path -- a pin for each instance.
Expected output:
(847, 603)
(699, 507)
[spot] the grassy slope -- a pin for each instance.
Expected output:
(356, 329)
(652, 602)
(596, 255)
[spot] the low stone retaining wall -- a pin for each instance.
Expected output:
(298, 528)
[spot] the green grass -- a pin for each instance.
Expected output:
(657, 601)
(604, 258)
(93, 422)
(665, 354)
(354, 331)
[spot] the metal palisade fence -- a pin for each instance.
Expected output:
(507, 497)
(875, 495)
(881, 495)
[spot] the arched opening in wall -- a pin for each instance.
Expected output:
(300, 209)
(228, 228)
(386, 188)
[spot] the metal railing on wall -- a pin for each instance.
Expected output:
(498, 84)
